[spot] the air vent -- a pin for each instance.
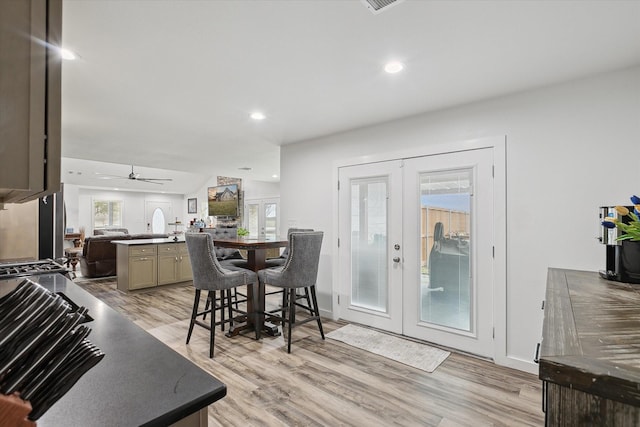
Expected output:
(378, 6)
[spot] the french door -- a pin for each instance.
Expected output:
(370, 229)
(261, 218)
(416, 241)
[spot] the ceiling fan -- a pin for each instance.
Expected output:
(134, 177)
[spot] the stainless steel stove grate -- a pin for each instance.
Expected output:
(29, 268)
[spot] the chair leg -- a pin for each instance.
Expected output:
(194, 312)
(285, 294)
(222, 307)
(212, 332)
(306, 297)
(235, 296)
(316, 310)
(206, 307)
(257, 289)
(292, 315)
(230, 308)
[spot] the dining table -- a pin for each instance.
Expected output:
(256, 248)
(256, 260)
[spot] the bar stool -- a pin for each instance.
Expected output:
(299, 271)
(209, 276)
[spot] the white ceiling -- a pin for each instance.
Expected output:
(169, 85)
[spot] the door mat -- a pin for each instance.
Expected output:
(417, 355)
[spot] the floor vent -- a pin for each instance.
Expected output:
(378, 6)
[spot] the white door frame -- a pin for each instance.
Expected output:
(498, 144)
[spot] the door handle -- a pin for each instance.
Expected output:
(396, 259)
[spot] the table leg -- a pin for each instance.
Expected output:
(256, 259)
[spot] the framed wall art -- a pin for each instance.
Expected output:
(192, 206)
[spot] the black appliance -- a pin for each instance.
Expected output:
(621, 264)
(51, 225)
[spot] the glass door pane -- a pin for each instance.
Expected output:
(369, 279)
(158, 222)
(253, 220)
(270, 220)
(445, 222)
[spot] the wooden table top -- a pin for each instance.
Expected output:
(591, 335)
(250, 243)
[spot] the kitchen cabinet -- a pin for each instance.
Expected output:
(146, 263)
(30, 85)
(174, 265)
(167, 264)
(137, 267)
(184, 268)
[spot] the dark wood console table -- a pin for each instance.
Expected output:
(590, 352)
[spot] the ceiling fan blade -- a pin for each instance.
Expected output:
(107, 176)
(146, 180)
(133, 176)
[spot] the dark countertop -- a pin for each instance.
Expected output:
(140, 381)
(591, 335)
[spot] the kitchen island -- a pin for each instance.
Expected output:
(146, 263)
(590, 351)
(140, 381)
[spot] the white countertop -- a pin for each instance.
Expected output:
(134, 242)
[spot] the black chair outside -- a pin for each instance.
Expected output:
(299, 272)
(209, 276)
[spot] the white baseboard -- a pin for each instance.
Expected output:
(520, 364)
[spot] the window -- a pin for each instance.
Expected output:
(107, 213)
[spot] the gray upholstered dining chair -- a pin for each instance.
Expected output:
(209, 275)
(299, 271)
(279, 261)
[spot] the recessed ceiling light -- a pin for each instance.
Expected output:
(257, 115)
(393, 67)
(67, 54)
(274, 176)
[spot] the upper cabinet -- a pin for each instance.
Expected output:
(30, 84)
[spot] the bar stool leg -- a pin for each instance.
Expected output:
(212, 332)
(194, 313)
(292, 315)
(316, 310)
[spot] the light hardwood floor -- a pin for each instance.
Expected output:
(328, 383)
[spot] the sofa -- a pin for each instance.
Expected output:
(110, 231)
(98, 257)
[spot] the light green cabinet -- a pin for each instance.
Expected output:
(184, 271)
(167, 263)
(137, 266)
(174, 265)
(147, 265)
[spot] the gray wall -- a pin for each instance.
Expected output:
(570, 148)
